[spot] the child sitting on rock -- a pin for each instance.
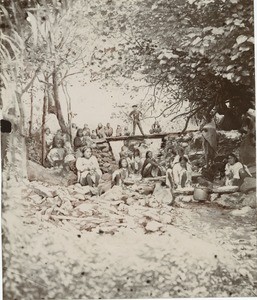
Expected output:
(121, 174)
(89, 172)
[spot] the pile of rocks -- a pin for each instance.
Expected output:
(105, 157)
(138, 207)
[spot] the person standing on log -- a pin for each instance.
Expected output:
(135, 116)
(209, 135)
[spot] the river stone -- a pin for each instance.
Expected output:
(249, 184)
(42, 190)
(166, 219)
(241, 212)
(113, 194)
(153, 226)
(79, 196)
(36, 199)
(250, 200)
(162, 195)
(86, 208)
(214, 196)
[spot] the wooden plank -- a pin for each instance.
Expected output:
(146, 136)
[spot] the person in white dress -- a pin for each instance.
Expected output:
(89, 172)
(235, 171)
(182, 173)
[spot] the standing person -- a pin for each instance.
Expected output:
(182, 173)
(89, 172)
(121, 174)
(150, 167)
(235, 171)
(108, 130)
(135, 116)
(118, 130)
(209, 135)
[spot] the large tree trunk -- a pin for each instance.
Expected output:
(59, 113)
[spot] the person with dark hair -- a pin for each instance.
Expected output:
(108, 130)
(58, 136)
(126, 131)
(56, 155)
(180, 153)
(118, 130)
(156, 128)
(89, 172)
(79, 141)
(121, 174)
(100, 131)
(86, 130)
(136, 163)
(150, 166)
(235, 171)
(135, 116)
(182, 173)
(93, 135)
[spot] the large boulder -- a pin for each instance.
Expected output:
(249, 184)
(51, 176)
(247, 150)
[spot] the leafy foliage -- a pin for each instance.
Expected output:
(196, 51)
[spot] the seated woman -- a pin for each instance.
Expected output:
(100, 131)
(136, 163)
(121, 174)
(126, 131)
(156, 128)
(235, 171)
(89, 172)
(118, 130)
(169, 172)
(180, 153)
(56, 155)
(182, 173)
(150, 167)
(79, 141)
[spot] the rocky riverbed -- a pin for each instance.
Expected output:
(66, 243)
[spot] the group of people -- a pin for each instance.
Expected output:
(175, 166)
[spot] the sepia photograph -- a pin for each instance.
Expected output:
(128, 149)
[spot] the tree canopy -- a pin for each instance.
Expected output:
(204, 48)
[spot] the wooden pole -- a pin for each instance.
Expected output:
(31, 111)
(45, 108)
